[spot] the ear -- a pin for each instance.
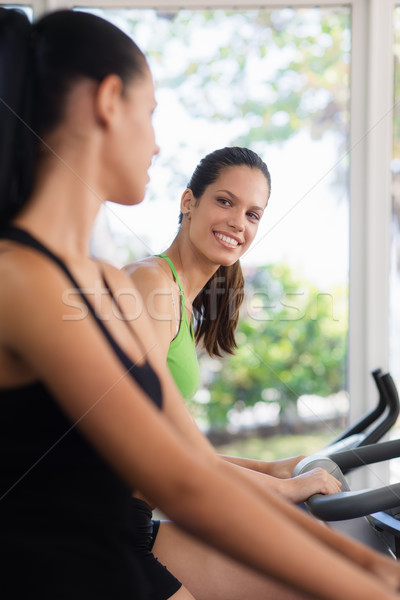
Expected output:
(187, 201)
(107, 100)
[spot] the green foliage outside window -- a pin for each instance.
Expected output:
(263, 77)
(292, 340)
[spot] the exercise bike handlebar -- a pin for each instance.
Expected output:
(388, 390)
(357, 447)
(346, 504)
(366, 455)
(372, 426)
(350, 505)
(361, 425)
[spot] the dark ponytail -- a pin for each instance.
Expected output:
(216, 308)
(39, 64)
(16, 140)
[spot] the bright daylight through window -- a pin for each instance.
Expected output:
(276, 81)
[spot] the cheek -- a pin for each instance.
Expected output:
(251, 234)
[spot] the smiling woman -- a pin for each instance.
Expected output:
(199, 278)
(232, 217)
(220, 212)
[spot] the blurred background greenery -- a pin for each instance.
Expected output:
(277, 81)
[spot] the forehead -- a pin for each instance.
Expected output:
(244, 182)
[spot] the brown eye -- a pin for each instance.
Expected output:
(224, 201)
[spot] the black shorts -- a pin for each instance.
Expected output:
(161, 582)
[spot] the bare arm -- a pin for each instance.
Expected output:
(296, 489)
(361, 554)
(282, 468)
(263, 476)
(155, 289)
(197, 491)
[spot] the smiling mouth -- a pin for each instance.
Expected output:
(231, 242)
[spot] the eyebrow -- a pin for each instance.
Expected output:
(234, 197)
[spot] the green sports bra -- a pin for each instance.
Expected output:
(182, 358)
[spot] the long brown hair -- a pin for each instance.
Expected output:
(216, 307)
(216, 310)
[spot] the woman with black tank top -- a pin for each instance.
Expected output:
(81, 426)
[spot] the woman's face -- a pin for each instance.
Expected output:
(134, 145)
(225, 219)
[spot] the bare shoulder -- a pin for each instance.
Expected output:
(149, 273)
(145, 295)
(22, 269)
(153, 284)
(145, 275)
(33, 288)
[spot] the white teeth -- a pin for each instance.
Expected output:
(227, 239)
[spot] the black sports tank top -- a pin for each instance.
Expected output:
(143, 374)
(66, 528)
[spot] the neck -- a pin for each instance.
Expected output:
(62, 209)
(193, 270)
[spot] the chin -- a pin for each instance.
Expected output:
(137, 200)
(227, 262)
(129, 199)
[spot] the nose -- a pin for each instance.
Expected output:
(236, 221)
